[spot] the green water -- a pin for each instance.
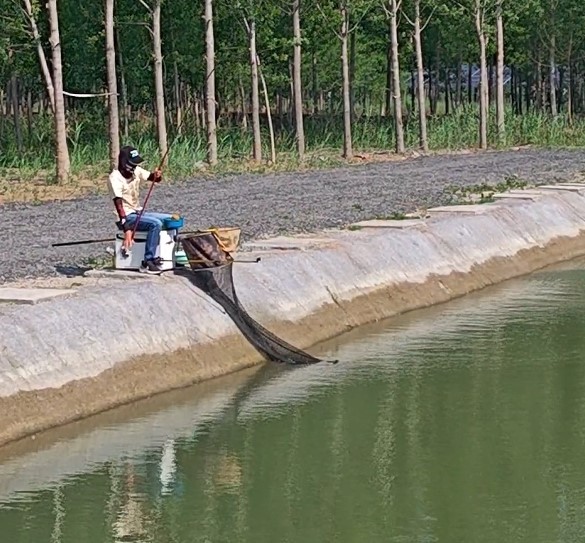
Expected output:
(463, 423)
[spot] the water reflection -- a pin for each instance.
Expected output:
(465, 422)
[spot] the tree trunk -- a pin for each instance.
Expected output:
(203, 111)
(420, 74)
(210, 85)
(396, 95)
(519, 95)
(388, 89)
(490, 72)
(63, 163)
(436, 89)
(570, 95)
(315, 85)
(2, 113)
(347, 143)
(500, 119)
(447, 91)
(483, 90)
(552, 73)
(113, 115)
(514, 89)
(257, 149)
(16, 112)
(161, 122)
(123, 91)
(178, 101)
(269, 118)
(562, 70)
(41, 99)
(244, 107)
(196, 113)
(352, 75)
(41, 54)
(297, 84)
(29, 116)
(431, 93)
(539, 98)
(469, 83)
(458, 89)
(412, 90)
(291, 102)
(527, 94)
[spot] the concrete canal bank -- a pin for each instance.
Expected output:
(104, 345)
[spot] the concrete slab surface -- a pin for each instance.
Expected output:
(538, 192)
(534, 191)
(112, 273)
(566, 187)
(472, 209)
(11, 295)
(520, 195)
(391, 223)
(284, 243)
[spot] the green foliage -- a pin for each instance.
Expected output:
(449, 40)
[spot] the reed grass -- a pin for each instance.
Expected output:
(88, 145)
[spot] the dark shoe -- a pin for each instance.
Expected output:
(150, 266)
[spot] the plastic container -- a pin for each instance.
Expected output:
(181, 258)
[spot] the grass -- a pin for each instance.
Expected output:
(28, 174)
(483, 193)
(98, 263)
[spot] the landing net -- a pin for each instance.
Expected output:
(209, 255)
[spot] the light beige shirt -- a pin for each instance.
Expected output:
(127, 189)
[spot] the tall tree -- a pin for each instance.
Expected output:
(268, 115)
(14, 88)
(552, 52)
(159, 87)
(41, 53)
(297, 82)
(161, 122)
(392, 11)
(343, 36)
(479, 13)
(63, 161)
(500, 105)
(249, 16)
(210, 84)
(420, 76)
(113, 116)
(257, 151)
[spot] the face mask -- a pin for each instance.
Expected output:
(129, 168)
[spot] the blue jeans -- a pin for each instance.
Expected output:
(153, 224)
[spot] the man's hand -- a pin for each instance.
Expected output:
(157, 175)
(128, 241)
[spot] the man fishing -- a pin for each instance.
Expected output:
(124, 185)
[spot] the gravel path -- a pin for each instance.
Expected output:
(267, 205)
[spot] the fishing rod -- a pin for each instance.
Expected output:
(83, 242)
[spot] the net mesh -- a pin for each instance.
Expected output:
(211, 266)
